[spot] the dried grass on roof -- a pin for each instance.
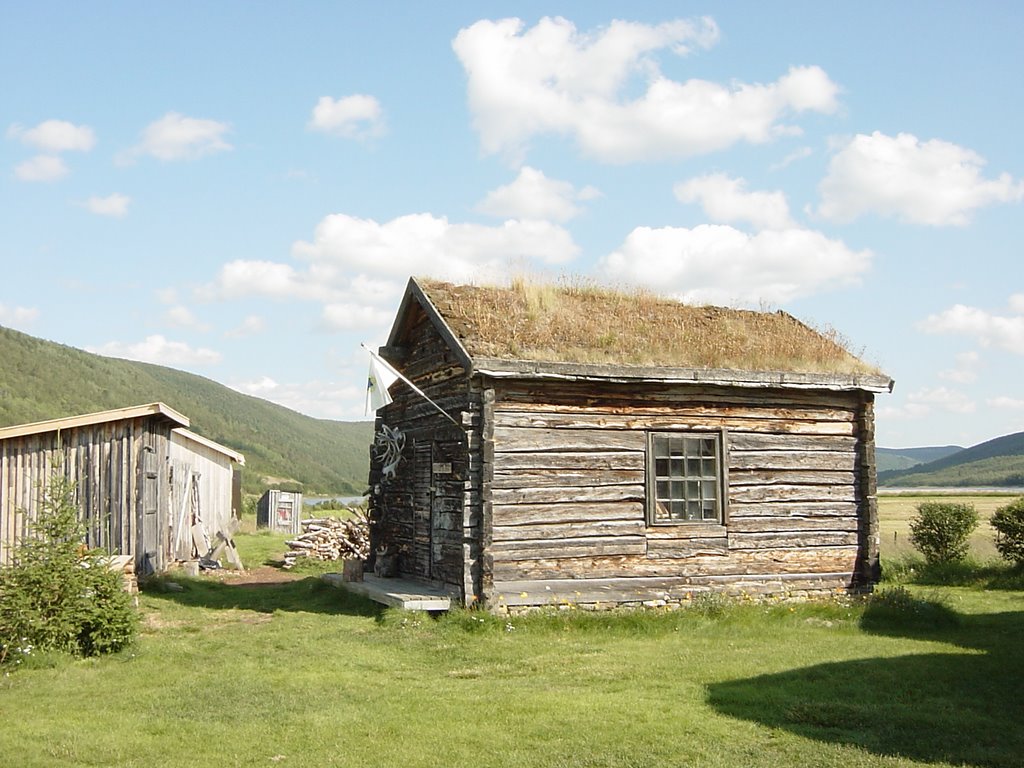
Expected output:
(582, 323)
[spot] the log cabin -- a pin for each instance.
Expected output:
(593, 447)
(143, 482)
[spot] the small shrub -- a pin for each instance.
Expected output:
(1009, 524)
(58, 596)
(941, 530)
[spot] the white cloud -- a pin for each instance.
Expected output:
(794, 156)
(242, 278)
(320, 399)
(726, 200)
(177, 137)
(1006, 403)
(115, 205)
(349, 317)
(966, 369)
(925, 402)
(988, 329)
(41, 168)
(260, 387)
(55, 136)
(552, 79)
(1017, 303)
(931, 182)
(17, 317)
(250, 326)
(181, 316)
(534, 196)
(358, 267)
(944, 399)
(719, 264)
(421, 244)
(159, 350)
(353, 117)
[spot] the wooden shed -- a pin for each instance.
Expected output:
(280, 511)
(142, 481)
(618, 448)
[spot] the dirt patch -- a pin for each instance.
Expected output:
(261, 576)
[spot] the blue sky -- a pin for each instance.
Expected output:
(242, 190)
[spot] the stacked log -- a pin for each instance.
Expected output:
(331, 538)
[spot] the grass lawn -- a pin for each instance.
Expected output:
(301, 674)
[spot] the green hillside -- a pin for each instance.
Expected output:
(43, 380)
(905, 458)
(997, 462)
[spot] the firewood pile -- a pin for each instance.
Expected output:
(331, 538)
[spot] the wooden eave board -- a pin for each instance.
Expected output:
(529, 369)
(235, 456)
(88, 419)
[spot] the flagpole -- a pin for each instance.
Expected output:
(412, 386)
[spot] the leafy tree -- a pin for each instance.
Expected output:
(941, 530)
(1009, 524)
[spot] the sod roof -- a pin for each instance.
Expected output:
(586, 324)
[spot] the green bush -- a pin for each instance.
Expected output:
(941, 530)
(59, 596)
(1009, 524)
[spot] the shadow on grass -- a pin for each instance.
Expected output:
(308, 595)
(990, 575)
(959, 708)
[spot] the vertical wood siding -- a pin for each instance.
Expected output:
(102, 461)
(214, 474)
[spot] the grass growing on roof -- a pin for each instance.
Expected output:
(577, 321)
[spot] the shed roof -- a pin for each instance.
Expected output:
(88, 419)
(189, 435)
(585, 332)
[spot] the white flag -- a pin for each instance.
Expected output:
(381, 377)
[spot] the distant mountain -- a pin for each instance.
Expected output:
(905, 458)
(42, 380)
(997, 462)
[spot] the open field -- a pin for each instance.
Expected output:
(895, 511)
(296, 673)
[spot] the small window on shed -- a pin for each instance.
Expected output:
(684, 471)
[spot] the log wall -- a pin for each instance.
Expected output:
(563, 498)
(428, 513)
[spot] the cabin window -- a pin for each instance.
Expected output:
(684, 471)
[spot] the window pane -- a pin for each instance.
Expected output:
(659, 446)
(685, 470)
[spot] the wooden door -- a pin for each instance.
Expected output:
(422, 513)
(148, 558)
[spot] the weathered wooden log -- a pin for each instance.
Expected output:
(330, 538)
